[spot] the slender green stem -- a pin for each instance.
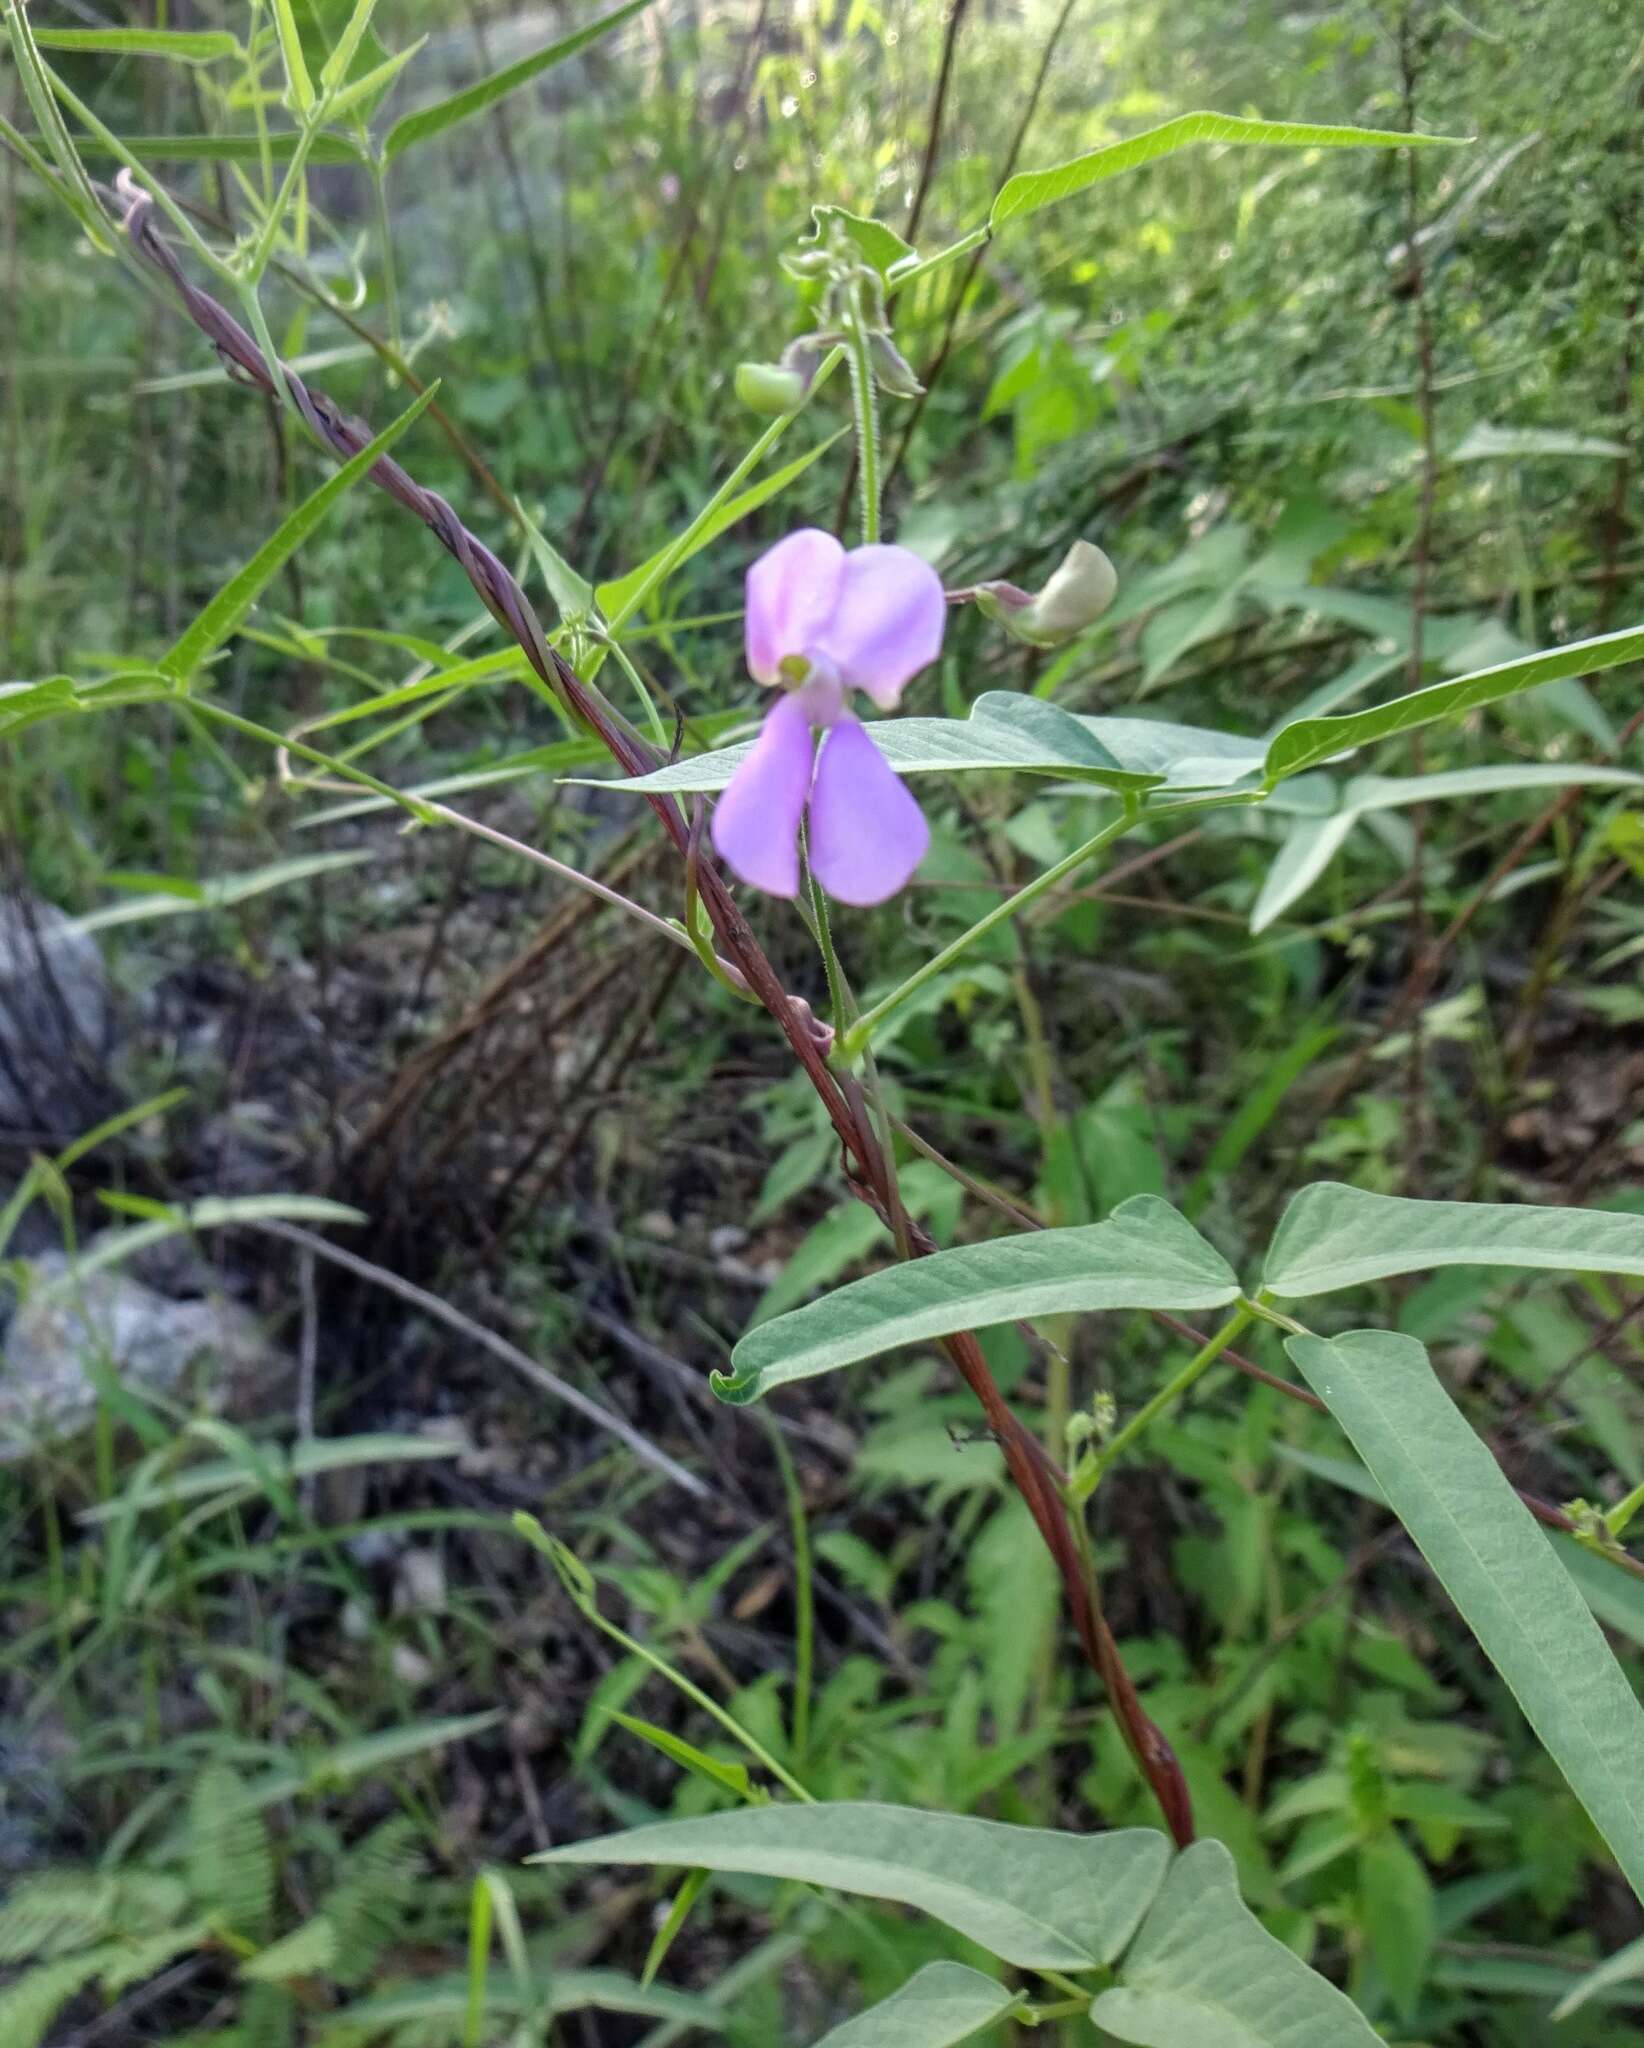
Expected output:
(1167, 1396)
(839, 995)
(385, 245)
(263, 249)
(804, 1599)
(672, 556)
(939, 261)
(1623, 1512)
(854, 1041)
(659, 732)
(865, 406)
(40, 82)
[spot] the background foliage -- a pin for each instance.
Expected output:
(1336, 429)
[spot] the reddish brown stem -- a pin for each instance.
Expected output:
(502, 596)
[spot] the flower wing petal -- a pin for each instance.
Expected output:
(887, 623)
(792, 591)
(756, 821)
(867, 834)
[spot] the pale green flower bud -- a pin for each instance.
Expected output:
(1074, 598)
(891, 370)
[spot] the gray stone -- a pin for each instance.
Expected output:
(62, 1329)
(56, 1021)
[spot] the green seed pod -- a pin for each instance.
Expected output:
(768, 388)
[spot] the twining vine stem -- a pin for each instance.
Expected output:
(867, 1169)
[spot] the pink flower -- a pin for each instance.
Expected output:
(820, 623)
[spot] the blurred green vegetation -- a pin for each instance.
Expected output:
(1343, 421)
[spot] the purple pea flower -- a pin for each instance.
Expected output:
(820, 623)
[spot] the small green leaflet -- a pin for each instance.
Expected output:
(1028, 191)
(223, 615)
(1309, 741)
(1145, 1255)
(1204, 1973)
(1312, 844)
(1333, 1236)
(1496, 1565)
(879, 245)
(939, 2006)
(182, 46)
(428, 121)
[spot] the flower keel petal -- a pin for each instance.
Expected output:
(887, 623)
(792, 591)
(867, 834)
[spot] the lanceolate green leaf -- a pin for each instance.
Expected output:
(1332, 1236)
(26, 704)
(623, 594)
(326, 148)
(224, 613)
(219, 891)
(940, 2005)
(1312, 740)
(1145, 1255)
(434, 120)
(1314, 843)
(1032, 1897)
(1204, 1973)
(1496, 1565)
(182, 46)
(1028, 191)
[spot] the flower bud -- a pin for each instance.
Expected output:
(1074, 598)
(891, 370)
(769, 387)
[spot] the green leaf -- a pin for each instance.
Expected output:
(1309, 847)
(1204, 1973)
(877, 244)
(1332, 1236)
(1006, 730)
(1028, 191)
(1145, 1255)
(939, 2005)
(211, 1212)
(369, 88)
(182, 46)
(291, 55)
(326, 148)
(1487, 443)
(619, 598)
(335, 68)
(1030, 1896)
(1398, 1917)
(224, 613)
(1309, 741)
(411, 129)
(230, 1865)
(1314, 842)
(1497, 1567)
(1626, 1966)
(307, 1951)
(731, 1778)
(303, 1461)
(26, 704)
(218, 891)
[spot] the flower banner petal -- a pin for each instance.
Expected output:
(887, 623)
(792, 592)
